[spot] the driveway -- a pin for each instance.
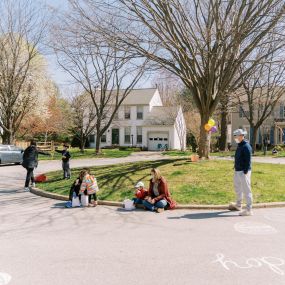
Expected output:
(42, 243)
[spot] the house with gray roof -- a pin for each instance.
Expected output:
(143, 121)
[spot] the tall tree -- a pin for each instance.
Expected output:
(22, 28)
(105, 72)
(203, 42)
(261, 89)
(84, 118)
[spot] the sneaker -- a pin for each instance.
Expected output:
(91, 205)
(246, 213)
(234, 207)
(34, 184)
(159, 210)
(27, 189)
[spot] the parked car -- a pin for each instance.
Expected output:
(11, 154)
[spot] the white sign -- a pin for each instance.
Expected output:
(273, 263)
(255, 228)
(4, 278)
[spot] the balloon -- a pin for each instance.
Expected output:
(214, 129)
(211, 122)
(207, 127)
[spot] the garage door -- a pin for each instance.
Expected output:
(157, 141)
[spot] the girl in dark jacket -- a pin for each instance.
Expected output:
(30, 162)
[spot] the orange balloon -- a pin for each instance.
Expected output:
(207, 127)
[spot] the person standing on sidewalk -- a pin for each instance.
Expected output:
(242, 176)
(65, 161)
(30, 162)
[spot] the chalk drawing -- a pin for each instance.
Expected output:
(255, 228)
(273, 263)
(275, 217)
(4, 278)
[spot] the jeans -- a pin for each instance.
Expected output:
(29, 177)
(66, 169)
(243, 188)
(137, 201)
(160, 204)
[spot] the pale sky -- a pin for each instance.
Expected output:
(62, 79)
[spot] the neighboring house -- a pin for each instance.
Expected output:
(272, 130)
(143, 121)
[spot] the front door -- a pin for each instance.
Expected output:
(115, 136)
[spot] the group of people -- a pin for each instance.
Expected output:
(30, 162)
(157, 197)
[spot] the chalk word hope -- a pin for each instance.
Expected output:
(4, 278)
(273, 263)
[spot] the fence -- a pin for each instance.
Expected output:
(44, 146)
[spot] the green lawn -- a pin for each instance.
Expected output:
(89, 153)
(204, 182)
(222, 153)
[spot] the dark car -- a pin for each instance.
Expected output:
(11, 154)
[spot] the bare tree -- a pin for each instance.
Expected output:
(84, 118)
(261, 90)
(203, 42)
(105, 72)
(21, 28)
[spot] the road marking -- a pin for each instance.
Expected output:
(273, 263)
(5, 278)
(254, 228)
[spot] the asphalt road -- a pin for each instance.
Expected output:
(42, 243)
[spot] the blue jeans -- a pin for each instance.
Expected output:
(160, 204)
(137, 201)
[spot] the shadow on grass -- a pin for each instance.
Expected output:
(122, 175)
(201, 216)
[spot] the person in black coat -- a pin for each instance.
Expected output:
(30, 162)
(65, 161)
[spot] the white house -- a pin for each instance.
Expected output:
(143, 121)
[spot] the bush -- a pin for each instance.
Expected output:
(136, 149)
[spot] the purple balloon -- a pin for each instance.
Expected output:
(214, 129)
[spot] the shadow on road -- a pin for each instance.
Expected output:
(201, 216)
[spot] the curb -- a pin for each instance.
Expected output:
(46, 194)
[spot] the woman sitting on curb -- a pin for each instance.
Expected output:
(158, 194)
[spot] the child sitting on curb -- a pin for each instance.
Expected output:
(90, 187)
(140, 193)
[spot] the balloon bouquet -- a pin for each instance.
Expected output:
(210, 126)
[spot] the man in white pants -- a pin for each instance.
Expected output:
(242, 174)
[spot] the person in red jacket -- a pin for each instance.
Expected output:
(158, 197)
(140, 193)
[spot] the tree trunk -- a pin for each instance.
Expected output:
(204, 142)
(253, 138)
(224, 131)
(82, 143)
(98, 139)
(7, 137)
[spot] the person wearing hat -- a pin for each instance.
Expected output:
(140, 193)
(242, 174)
(65, 161)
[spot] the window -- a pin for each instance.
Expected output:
(139, 112)
(243, 113)
(92, 138)
(139, 134)
(103, 138)
(127, 112)
(128, 135)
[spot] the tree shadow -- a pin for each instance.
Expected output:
(122, 175)
(209, 215)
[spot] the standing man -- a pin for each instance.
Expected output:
(242, 174)
(30, 162)
(65, 161)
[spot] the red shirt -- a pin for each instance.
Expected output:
(141, 194)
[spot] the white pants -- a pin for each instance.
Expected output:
(242, 187)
